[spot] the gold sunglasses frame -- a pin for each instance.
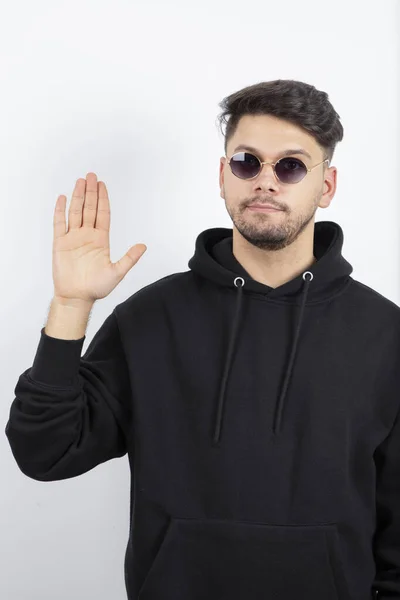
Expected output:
(273, 167)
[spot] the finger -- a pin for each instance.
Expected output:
(91, 200)
(103, 208)
(75, 208)
(59, 217)
(124, 264)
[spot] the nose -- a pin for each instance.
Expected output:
(267, 173)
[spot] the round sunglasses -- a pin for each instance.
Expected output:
(287, 169)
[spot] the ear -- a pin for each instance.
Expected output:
(330, 185)
(221, 176)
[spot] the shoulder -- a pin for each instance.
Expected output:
(156, 293)
(374, 303)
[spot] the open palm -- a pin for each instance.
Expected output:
(82, 269)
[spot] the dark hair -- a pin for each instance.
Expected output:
(294, 101)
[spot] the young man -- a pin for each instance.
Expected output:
(256, 394)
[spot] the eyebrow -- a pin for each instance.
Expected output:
(283, 153)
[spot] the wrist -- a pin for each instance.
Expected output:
(76, 303)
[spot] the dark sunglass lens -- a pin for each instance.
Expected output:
(244, 165)
(290, 170)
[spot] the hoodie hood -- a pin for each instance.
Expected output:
(214, 260)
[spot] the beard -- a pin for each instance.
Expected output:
(271, 231)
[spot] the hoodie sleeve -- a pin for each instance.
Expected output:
(387, 533)
(71, 413)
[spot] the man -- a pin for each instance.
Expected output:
(256, 394)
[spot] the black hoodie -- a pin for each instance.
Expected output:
(261, 426)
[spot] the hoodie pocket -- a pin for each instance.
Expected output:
(215, 559)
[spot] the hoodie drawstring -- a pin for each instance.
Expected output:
(228, 362)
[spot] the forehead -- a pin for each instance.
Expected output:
(270, 136)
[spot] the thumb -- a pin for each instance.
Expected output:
(124, 264)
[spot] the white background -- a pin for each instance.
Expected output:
(130, 90)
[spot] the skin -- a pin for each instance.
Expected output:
(275, 247)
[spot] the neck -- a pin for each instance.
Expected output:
(275, 268)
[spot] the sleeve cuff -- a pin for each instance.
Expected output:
(57, 361)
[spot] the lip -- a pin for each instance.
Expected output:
(263, 208)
